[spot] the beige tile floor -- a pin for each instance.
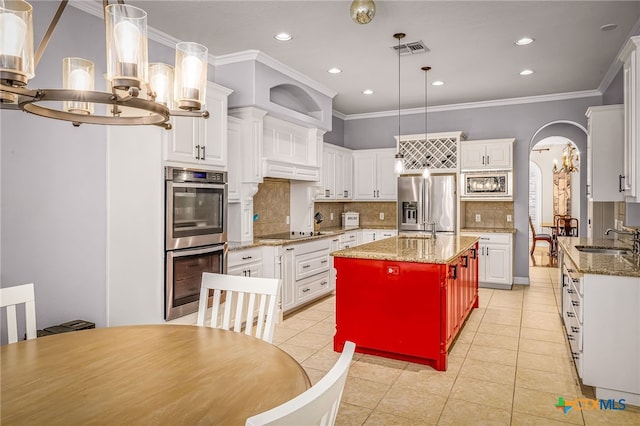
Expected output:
(508, 366)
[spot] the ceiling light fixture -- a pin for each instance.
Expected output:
(334, 71)
(438, 83)
(145, 91)
(362, 11)
(526, 72)
(399, 157)
(368, 92)
(524, 41)
(570, 155)
(283, 37)
(425, 172)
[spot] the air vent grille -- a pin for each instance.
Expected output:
(411, 48)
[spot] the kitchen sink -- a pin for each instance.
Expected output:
(602, 250)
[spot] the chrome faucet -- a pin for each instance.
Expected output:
(636, 238)
(433, 229)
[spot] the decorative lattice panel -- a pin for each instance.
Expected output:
(431, 153)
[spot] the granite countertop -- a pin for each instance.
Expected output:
(443, 249)
(597, 263)
(490, 230)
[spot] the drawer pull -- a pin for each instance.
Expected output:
(289, 249)
(336, 240)
(570, 337)
(571, 315)
(247, 257)
(575, 303)
(324, 283)
(576, 355)
(575, 329)
(306, 266)
(575, 280)
(570, 291)
(304, 290)
(324, 261)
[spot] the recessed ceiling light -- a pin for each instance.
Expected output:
(368, 92)
(526, 72)
(524, 41)
(334, 71)
(437, 83)
(283, 37)
(609, 27)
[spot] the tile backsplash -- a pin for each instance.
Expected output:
(272, 205)
(493, 214)
(369, 213)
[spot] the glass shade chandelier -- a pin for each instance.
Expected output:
(399, 157)
(149, 92)
(569, 160)
(362, 11)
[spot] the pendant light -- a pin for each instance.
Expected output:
(362, 11)
(399, 158)
(425, 173)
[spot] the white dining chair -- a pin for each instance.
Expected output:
(12, 296)
(247, 299)
(318, 405)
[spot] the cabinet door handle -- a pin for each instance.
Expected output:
(203, 155)
(474, 252)
(454, 272)
(289, 249)
(588, 189)
(346, 194)
(249, 271)
(465, 261)
(326, 193)
(246, 257)
(487, 160)
(374, 193)
(337, 239)
(620, 180)
(483, 160)
(197, 152)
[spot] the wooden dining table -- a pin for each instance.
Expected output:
(145, 375)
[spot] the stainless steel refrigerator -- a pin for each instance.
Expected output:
(424, 200)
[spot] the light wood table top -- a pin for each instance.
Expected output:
(153, 374)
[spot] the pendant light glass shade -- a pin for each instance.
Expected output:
(362, 11)
(127, 61)
(78, 74)
(161, 83)
(16, 42)
(191, 75)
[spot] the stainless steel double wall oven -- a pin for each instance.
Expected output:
(196, 235)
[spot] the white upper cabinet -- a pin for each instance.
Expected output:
(291, 151)
(374, 176)
(630, 55)
(198, 141)
(234, 149)
(495, 154)
(605, 139)
(337, 173)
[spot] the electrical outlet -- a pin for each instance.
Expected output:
(478, 219)
(330, 216)
(381, 216)
(287, 220)
(508, 218)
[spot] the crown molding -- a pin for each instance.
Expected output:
(339, 115)
(615, 66)
(256, 55)
(482, 104)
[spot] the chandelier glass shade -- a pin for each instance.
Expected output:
(145, 90)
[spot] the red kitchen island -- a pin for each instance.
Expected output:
(406, 297)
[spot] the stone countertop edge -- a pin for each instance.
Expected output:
(596, 263)
(441, 250)
(489, 230)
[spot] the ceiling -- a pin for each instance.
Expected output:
(471, 45)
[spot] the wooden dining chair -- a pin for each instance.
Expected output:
(567, 226)
(540, 237)
(247, 300)
(318, 405)
(16, 295)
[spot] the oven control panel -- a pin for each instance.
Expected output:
(191, 175)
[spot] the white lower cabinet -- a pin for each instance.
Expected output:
(370, 235)
(602, 323)
(245, 262)
(349, 239)
(306, 273)
(495, 262)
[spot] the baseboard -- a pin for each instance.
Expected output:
(495, 286)
(521, 280)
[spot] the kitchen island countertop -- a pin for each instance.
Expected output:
(403, 248)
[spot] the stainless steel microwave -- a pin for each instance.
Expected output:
(496, 185)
